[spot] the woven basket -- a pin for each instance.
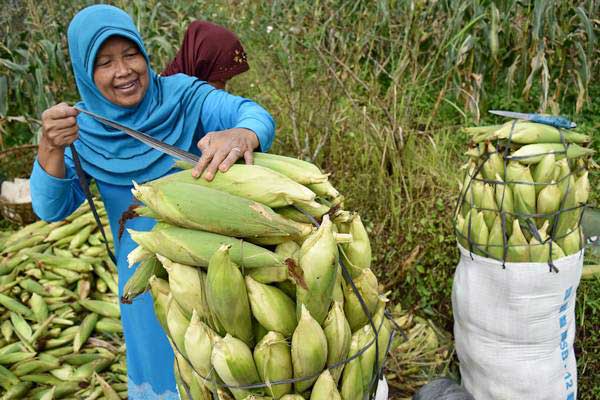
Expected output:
(17, 162)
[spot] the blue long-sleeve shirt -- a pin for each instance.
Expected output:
(149, 355)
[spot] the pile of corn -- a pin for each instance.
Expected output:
(250, 292)
(59, 314)
(524, 192)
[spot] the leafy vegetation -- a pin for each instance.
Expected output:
(375, 92)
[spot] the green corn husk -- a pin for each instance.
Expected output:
(325, 388)
(572, 242)
(103, 308)
(318, 256)
(327, 191)
(292, 397)
(524, 190)
(300, 171)
(458, 230)
(138, 255)
(233, 362)
(548, 203)
(293, 214)
(367, 286)
(352, 383)
(14, 305)
(495, 245)
(288, 249)
(193, 383)
(518, 247)
(271, 307)
(188, 288)
(195, 248)
(227, 296)
(81, 237)
(206, 209)
(356, 254)
(533, 153)
(565, 180)
(177, 324)
(160, 295)
(339, 335)
(269, 275)
(476, 194)
(338, 289)
(85, 330)
(366, 338)
(582, 189)
(543, 172)
(493, 165)
(109, 325)
(569, 215)
(540, 252)
(479, 233)
(17, 391)
(198, 341)
(557, 251)
(252, 182)
(385, 329)
(139, 282)
(488, 204)
(274, 363)
(523, 132)
(309, 350)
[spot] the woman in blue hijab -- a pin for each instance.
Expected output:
(115, 79)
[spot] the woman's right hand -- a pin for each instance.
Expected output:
(59, 127)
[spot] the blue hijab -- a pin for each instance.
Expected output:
(169, 111)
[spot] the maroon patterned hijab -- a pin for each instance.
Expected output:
(210, 53)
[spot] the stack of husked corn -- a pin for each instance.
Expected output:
(524, 192)
(59, 313)
(250, 292)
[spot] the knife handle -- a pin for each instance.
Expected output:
(555, 121)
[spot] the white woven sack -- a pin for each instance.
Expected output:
(514, 327)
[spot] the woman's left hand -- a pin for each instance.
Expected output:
(220, 150)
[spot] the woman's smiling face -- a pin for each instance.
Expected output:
(121, 72)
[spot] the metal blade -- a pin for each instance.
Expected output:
(142, 137)
(511, 114)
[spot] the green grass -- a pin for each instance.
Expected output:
(375, 93)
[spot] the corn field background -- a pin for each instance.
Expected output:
(375, 92)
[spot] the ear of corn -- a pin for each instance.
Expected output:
(519, 177)
(569, 215)
(548, 202)
(198, 343)
(233, 362)
(177, 324)
(251, 182)
(269, 275)
(325, 388)
(317, 257)
(271, 307)
(367, 286)
(274, 363)
(288, 249)
(227, 296)
(202, 208)
(557, 251)
(187, 286)
(357, 253)
(300, 171)
(292, 397)
(572, 242)
(352, 383)
(518, 247)
(496, 240)
(524, 132)
(139, 282)
(543, 172)
(582, 189)
(309, 350)
(488, 204)
(338, 289)
(160, 295)
(504, 199)
(327, 191)
(540, 252)
(533, 153)
(338, 334)
(478, 235)
(366, 338)
(493, 165)
(195, 248)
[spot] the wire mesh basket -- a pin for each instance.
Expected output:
(17, 162)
